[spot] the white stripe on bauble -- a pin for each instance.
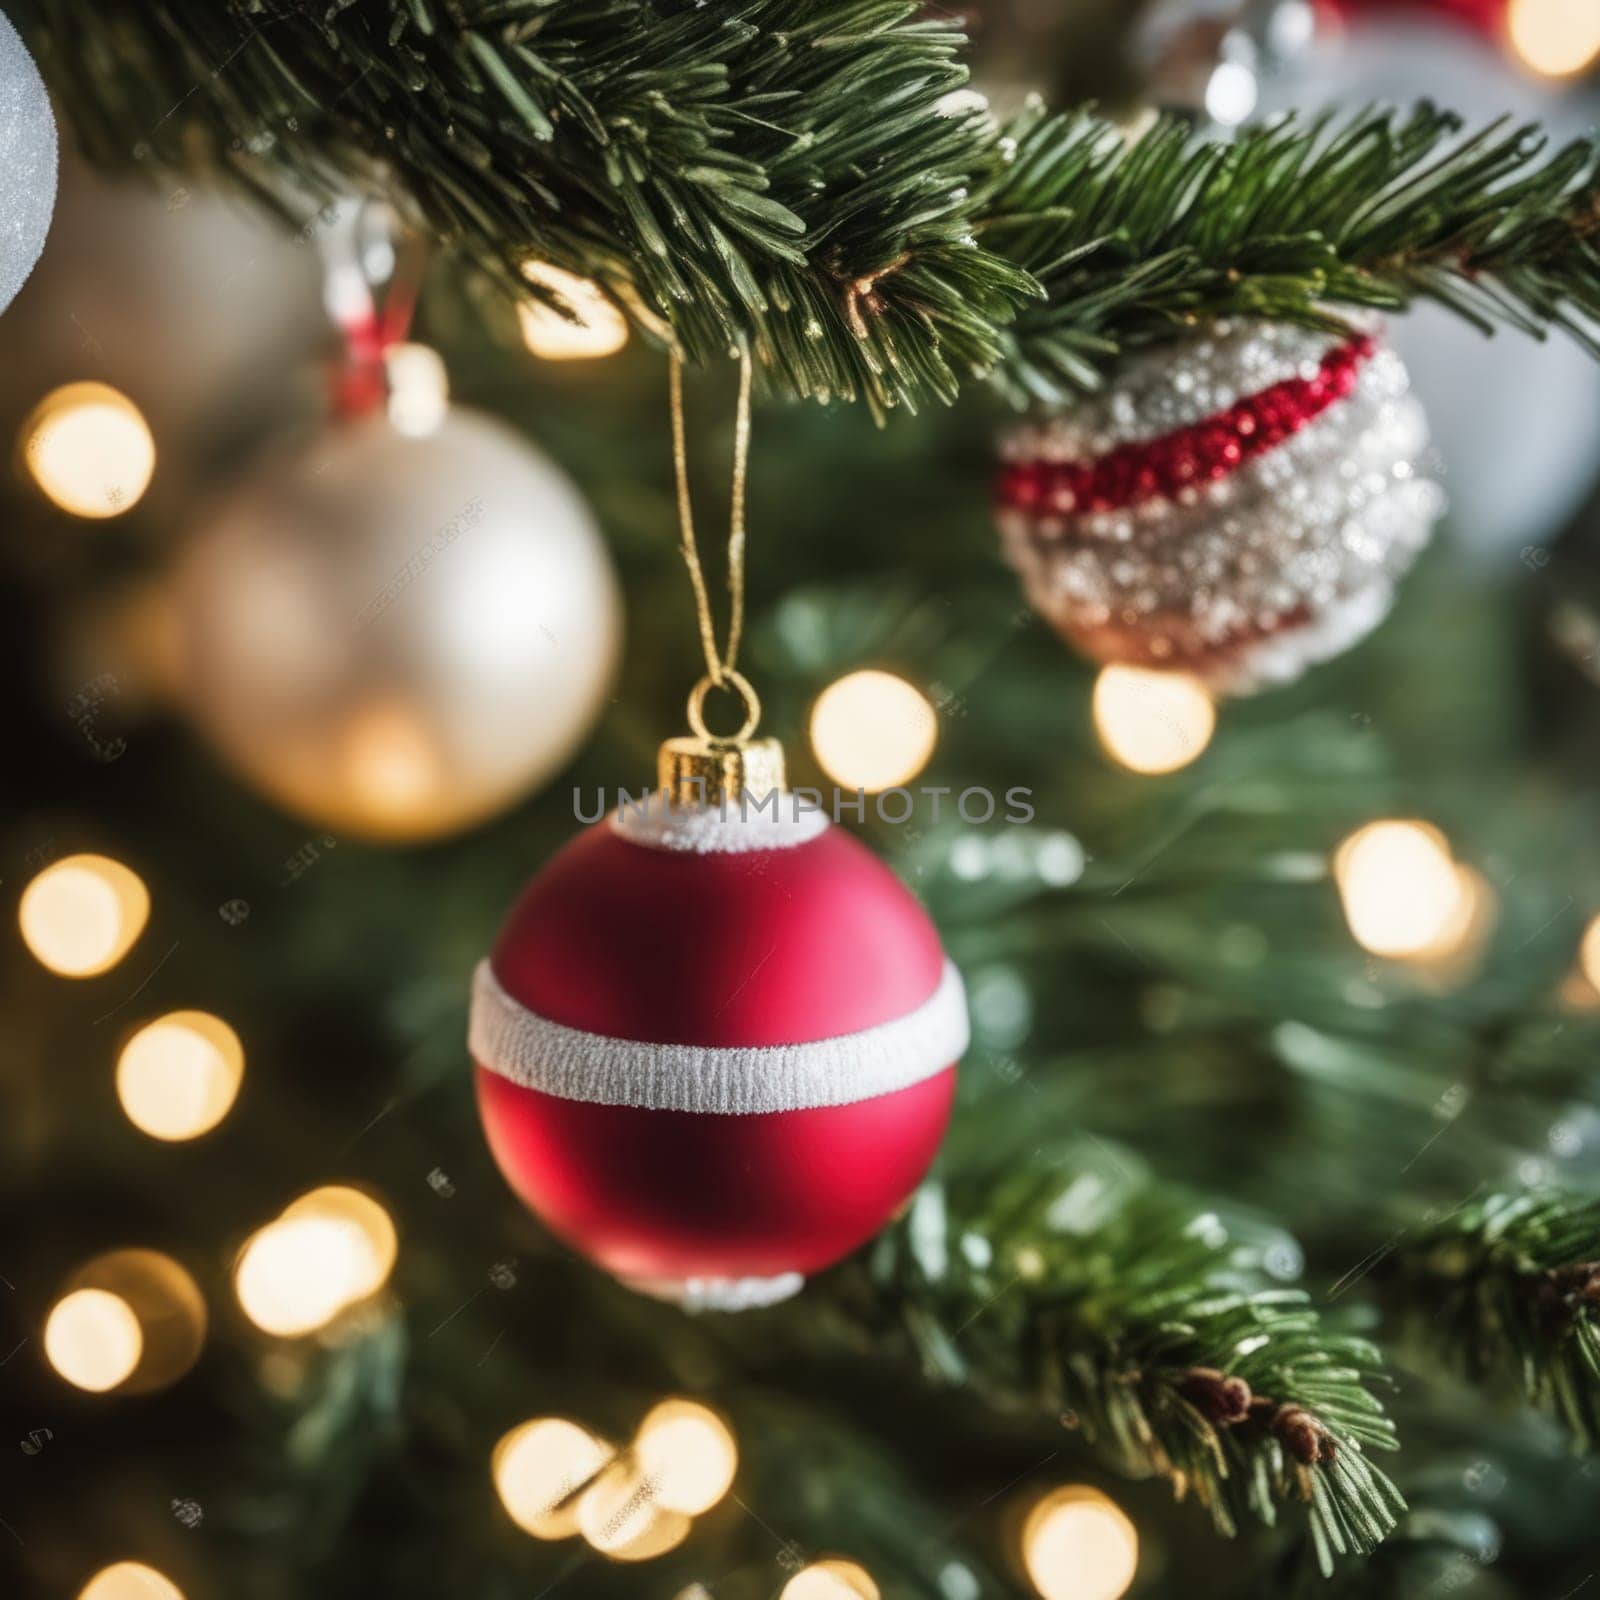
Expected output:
(778, 820)
(738, 1080)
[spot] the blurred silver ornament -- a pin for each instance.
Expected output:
(27, 163)
(1208, 57)
(1238, 506)
(397, 634)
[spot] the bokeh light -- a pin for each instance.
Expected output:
(329, 1250)
(1403, 894)
(178, 1076)
(89, 449)
(130, 1580)
(1556, 38)
(1589, 953)
(1078, 1544)
(92, 1338)
(618, 1516)
(831, 1580)
(87, 1334)
(538, 1469)
(600, 328)
(1152, 722)
(872, 730)
(687, 1455)
(350, 1208)
(81, 915)
(1231, 93)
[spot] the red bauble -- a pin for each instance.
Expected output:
(716, 1047)
(1487, 17)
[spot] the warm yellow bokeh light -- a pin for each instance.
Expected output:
(618, 1516)
(93, 1339)
(89, 449)
(1402, 891)
(81, 915)
(1589, 954)
(419, 389)
(331, 1248)
(873, 731)
(538, 1469)
(377, 1243)
(601, 329)
(831, 1580)
(1555, 37)
(177, 1076)
(1152, 722)
(130, 1580)
(687, 1455)
(165, 1303)
(1078, 1544)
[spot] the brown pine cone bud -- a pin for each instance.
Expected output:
(1222, 1400)
(1303, 1436)
(1581, 1281)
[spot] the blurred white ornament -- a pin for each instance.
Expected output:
(27, 163)
(198, 309)
(397, 636)
(1513, 419)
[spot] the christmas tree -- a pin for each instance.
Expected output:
(1260, 1253)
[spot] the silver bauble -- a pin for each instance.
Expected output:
(397, 636)
(27, 163)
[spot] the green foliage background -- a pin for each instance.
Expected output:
(1190, 1099)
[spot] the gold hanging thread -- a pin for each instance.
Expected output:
(707, 768)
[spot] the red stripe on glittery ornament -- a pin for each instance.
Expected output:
(1204, 452)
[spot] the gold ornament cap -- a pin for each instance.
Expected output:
(702, 769)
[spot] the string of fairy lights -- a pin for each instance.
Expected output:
(135, 1321)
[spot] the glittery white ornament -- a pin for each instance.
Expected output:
(1238, 506)
(27, 163)
(396, 636)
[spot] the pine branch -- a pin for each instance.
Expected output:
(772, 172)
(1077, 1285)
(1136, 241)
(1509, 1287)
(778, 173)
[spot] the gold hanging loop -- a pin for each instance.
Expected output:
(734, 680)
(707, 768)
